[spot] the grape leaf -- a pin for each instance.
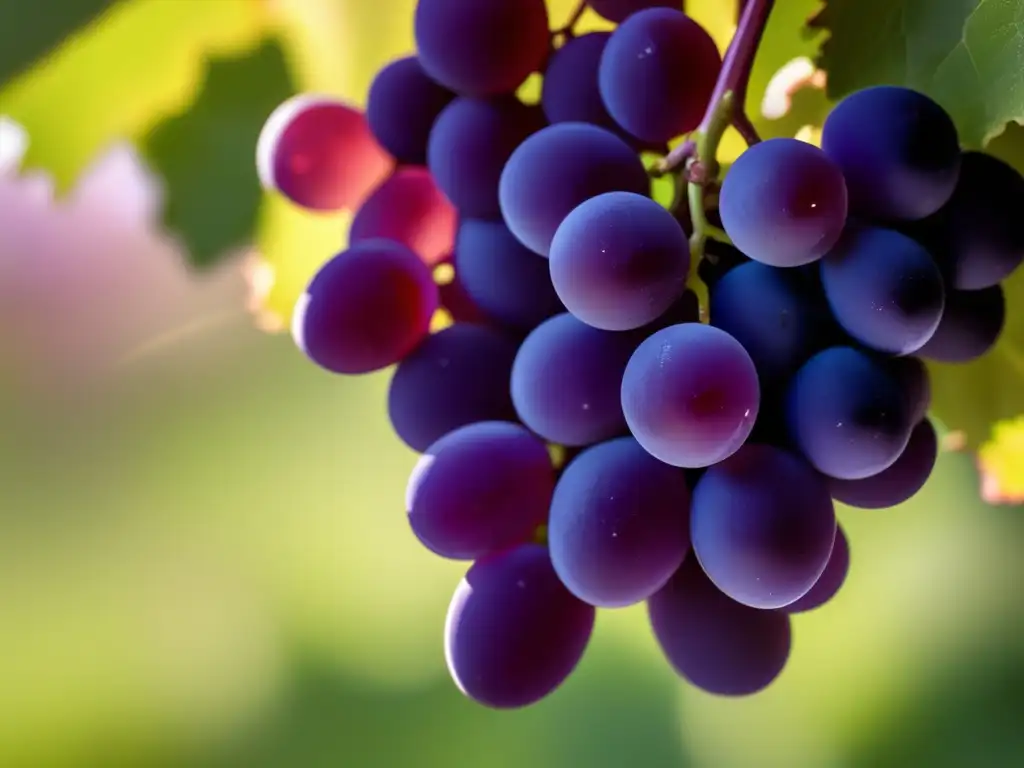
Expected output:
(1001, 462)
(26, 37)
(134, 65)
(205, 154)
(966, 54)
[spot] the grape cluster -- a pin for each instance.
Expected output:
(587, 442)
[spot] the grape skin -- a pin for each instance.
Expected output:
(720, 646)
(480, 489)
(401, 108)
(566, 381)
(898, 151)
(783, 203)
(885, 290)
(365, 309)
(848, 414)
(831, 580)
(978, 237)
(915, 381)
(657, 74)
(409, 209)
(619, 10)
(772, 314)
(970, 326)
(619, 261)
(899, 482)
(481, 48)
(762, 525)
(469, 145)
(319, 153)
(510, 283)
(618, 525)
(558, 168)
(690, 395)
(456, 377)
(514, 633)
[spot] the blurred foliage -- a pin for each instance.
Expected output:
(207, 564)
(25, 38)
(205, 155)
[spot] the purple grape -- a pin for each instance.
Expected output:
(898, 151)
(319, 153)
(558, 168)
(915, 381)
(970, 326)
(401, 108)
(899, 482)
(479, 490)
(762, 525)
(455, 377)
(783, 203)
(720, 646)
(514, 633)
(657, 74)
(690, 395)
(771, 313)
(567, 378)
(481, 48)
(831, 580)
(885, 290)
(409, 209)
(848, 414)
(618, 525)
(978, 237)
(619, 261)
(509, 282)
(618, 10)
(366, 308)
(469, 146)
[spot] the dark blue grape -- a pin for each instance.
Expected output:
(506, 280)
(469, 146)
(830, 582)
(771, 313)
(618, 10)
(914, 379)
(899, 482)
(720, 646)
(455, 377)
(619, 261)
(783, 203)
(319, 153)
(479, 490)
(481, 48)
(898, 150)
(978, 237)
(618, 525)
(657, 74)
(567, 378)
(885, 290)
(514, 633)
(366, 308)
(971, 324)
(848, 414)
(690, 395)
(401, 108)
(762, 525)
(555, 170)
(409, 209)
(723, 259)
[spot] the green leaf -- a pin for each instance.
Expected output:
(966, 54)
(136, 64)
(26, 37)
(206, 154)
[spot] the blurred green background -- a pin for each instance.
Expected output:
(204, 559)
